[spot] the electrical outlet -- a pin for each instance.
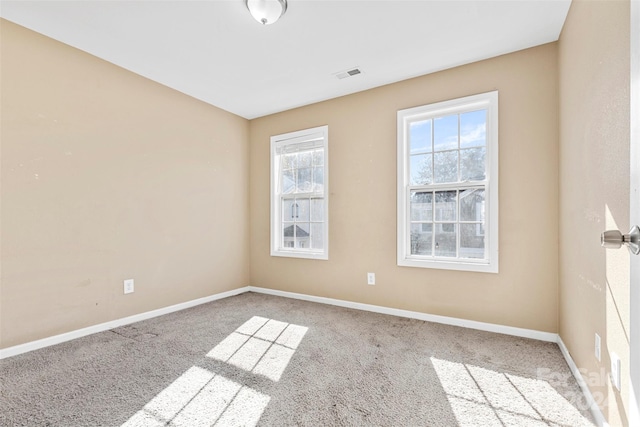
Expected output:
(371, 278)
(598, 347)
(615, 370)
(128, 286)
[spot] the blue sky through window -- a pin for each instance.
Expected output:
(473, 129)
(445, 132)
(420, 136)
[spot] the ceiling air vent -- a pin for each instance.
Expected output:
(349, 73)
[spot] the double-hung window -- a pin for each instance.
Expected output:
(448, 185)
(299, 189)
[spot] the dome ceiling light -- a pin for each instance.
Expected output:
(266, 12)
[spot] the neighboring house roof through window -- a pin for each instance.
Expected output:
(288, 232)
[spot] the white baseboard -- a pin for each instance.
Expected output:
(68, 336)
(593, 406)
(454, 321)
(489, 327)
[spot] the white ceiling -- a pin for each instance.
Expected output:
(216, 52)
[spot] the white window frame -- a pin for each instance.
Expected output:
(278, 247)
(488, 101)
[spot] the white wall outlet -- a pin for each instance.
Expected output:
(598, 347)
(128, 286)
(371, 278)
(615, 370)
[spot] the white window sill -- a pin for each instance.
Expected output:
(478, 267)
(300, 254)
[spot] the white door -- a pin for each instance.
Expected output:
(634, 403)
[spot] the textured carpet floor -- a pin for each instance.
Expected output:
(271, 361)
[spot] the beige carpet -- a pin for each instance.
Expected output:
(261, 360)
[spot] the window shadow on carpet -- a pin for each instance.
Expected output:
(202, 397)
(480, 396)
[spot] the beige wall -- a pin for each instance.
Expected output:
(362, 179)
(108, 176)
(594, 192)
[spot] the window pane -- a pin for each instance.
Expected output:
(287, 234)
(318, 179)
(445, 240)
(288, 210)
(445, 206)
(445, 154)
(421, 206)
(317, 210)
(288, 181)
(473, 128)
(471, 241)
(302, 235)
(421, 239)
(302, 210)
(420, 137)
(289, 161)
(317, 236)
(472, 164)
(299, 178)
(421, 169)
(304, 159)
(472, 205)
(446, 167)
(445, 133)
(318, 157)
(304, 180)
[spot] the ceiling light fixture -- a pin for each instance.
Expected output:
(266, 11)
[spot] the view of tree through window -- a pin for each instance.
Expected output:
(444, 150)
(444, 185)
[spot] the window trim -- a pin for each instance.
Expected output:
(488, 101)
(276, 197)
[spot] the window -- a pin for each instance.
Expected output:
(448, 185)
(299, 189)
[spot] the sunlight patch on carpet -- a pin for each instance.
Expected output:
(260, 346)
(490, 397)
(201, 398)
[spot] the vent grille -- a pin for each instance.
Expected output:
(349, 73)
